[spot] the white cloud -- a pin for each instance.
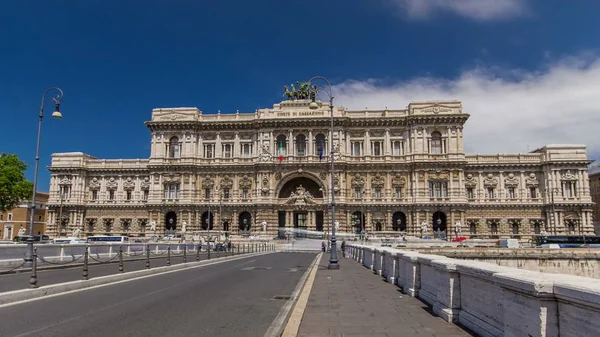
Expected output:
(511, 111)
(480, 10)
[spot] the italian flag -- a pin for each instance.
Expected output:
(281, 157)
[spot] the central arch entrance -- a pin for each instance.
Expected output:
(171, 221)
(439, 224)
(301, 197)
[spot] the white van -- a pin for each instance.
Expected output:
(68, 241)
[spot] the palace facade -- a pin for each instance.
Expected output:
(395, 172)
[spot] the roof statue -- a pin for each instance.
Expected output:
(304, 91)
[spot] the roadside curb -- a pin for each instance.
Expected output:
(293, 324)
(11, 297)
(282, 320)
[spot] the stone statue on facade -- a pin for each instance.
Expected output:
(21, 231)
(457, 228)
(184, 227)
(264, 226)
(337, 225)
(76, 233)
(153, 226)
(423, 228)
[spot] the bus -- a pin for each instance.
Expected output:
(36, 239)
(567, 241)
(108, 239)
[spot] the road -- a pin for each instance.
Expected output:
(19, 281)
(233, 298)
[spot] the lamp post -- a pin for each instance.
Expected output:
(333, 259)
(57, 98)
(208, 216)
(438, 222)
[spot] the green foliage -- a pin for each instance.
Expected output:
(14, 187)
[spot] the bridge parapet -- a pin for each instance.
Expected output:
(489, 299)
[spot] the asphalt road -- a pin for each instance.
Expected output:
(233, 298)
(19, 281)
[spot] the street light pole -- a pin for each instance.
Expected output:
(208, 225)
(56, 114)
(333, 259)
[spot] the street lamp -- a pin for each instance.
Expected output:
(57, 98)
(439, 223)
(333, 259)
(208, 216)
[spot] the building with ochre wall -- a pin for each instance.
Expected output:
(396, 171)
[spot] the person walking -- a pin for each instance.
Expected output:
(344, 248)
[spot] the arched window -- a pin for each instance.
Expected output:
(281, 145)
(320, 146)
(301, 145)
(174, 147)
(436, 143)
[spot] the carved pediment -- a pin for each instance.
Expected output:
(490, 181)
(173, 178)
(112, 184)
(358, 181)
(128, 184)
(208, 182)
(438, 176)
(226, 182)
(245, 182)
(531, 180)
(107, 221)
(300, 197)
(470, 181)
(378, 181)
(65, 181)
(398, 180)
(568, 176)
(511, 180)
(94, 184)
(145, 184)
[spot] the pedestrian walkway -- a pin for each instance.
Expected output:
(355, 302)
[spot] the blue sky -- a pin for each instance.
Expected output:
(527, 71)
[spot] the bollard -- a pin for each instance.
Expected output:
(184, 253)
(85, 274)
(238, 248)
(33, 277)
(168, 255)
(147, 256)
(198, 252)
(120, 259)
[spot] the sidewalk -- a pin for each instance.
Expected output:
(355, 302)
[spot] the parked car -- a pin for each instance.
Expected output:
(219, 247)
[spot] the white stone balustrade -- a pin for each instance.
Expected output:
(491, 300)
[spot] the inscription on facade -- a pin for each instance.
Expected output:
(301, 114)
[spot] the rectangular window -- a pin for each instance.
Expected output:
(209, 151)
(532, 192)
(377, 193)
(377, 148)
(398, 192)
(207, 193)
(568, 189)
(128, 195)
(470, 193)
(111, 195)
(490, 193)
(438, 189)
(9, 218)
(494, 228)
(1, 216)
(357, 148)
(397, 148)
(247, 150)
(245, 194)
(472, 229)
(357, 193)
(65, 192)
(171, 191)
(226, 193)
(146, 193)
(227, 150)
(40, 218)
(95, 195)
(512, 193)
(143, 228)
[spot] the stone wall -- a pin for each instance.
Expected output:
(578, 262)
(488, 299)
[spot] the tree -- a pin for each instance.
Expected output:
(14, 187)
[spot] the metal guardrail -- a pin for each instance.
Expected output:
(121, 253)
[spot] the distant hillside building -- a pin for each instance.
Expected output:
(13, 220)
(396, 172)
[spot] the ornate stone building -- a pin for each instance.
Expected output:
(395, 170)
